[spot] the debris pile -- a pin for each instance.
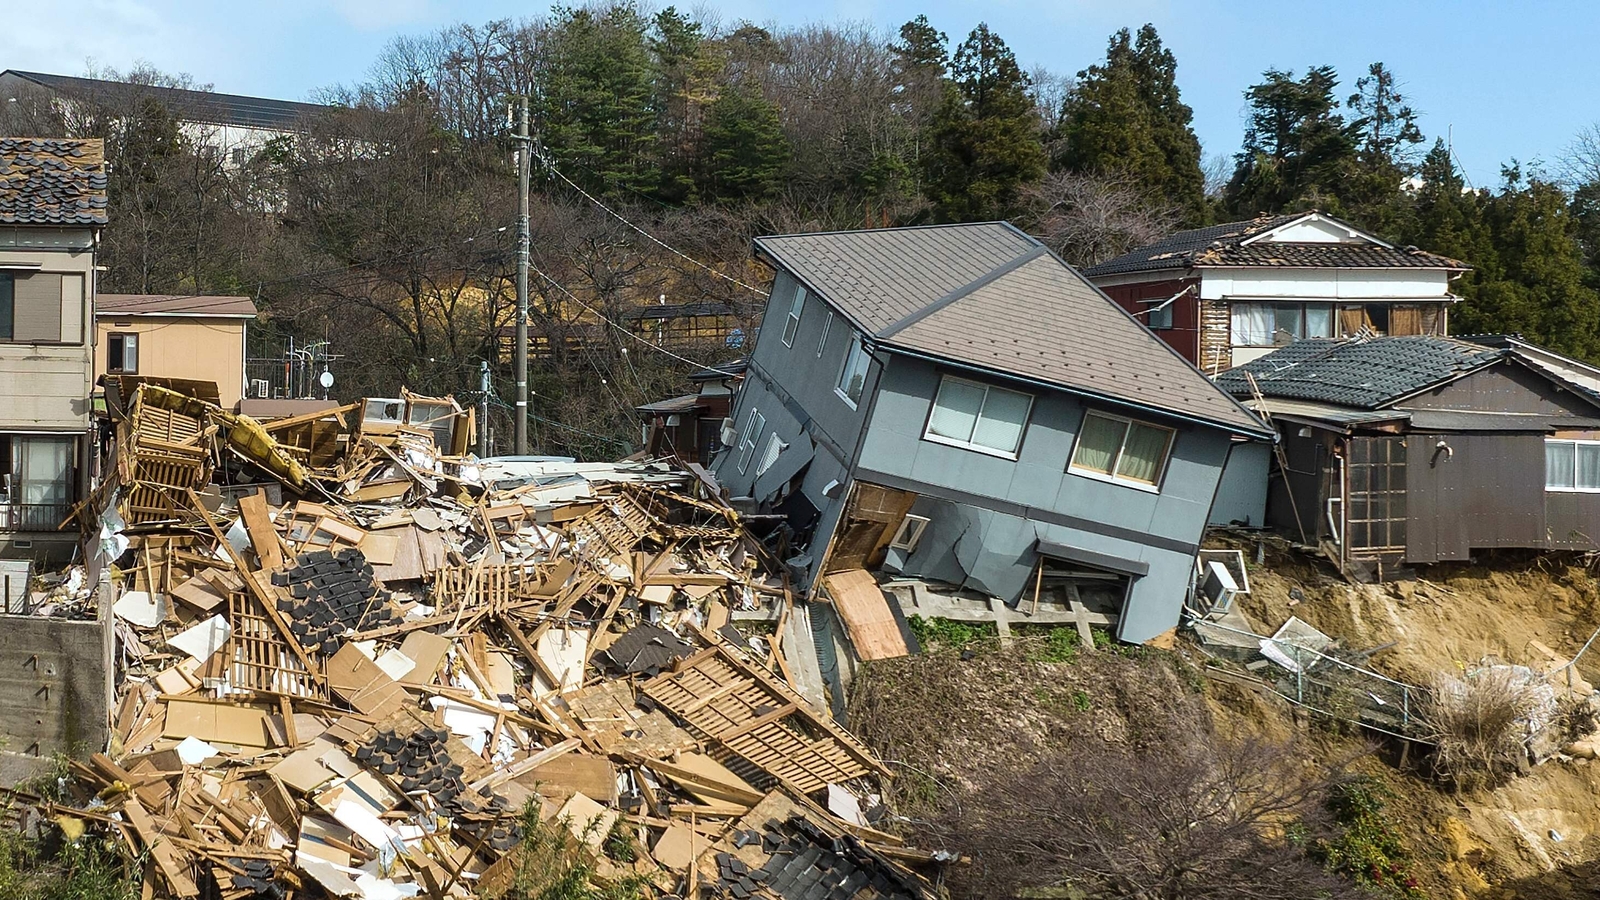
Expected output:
(355, 662)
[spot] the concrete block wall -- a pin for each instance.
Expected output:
(55, 686)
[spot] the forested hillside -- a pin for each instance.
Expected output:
(668, 142)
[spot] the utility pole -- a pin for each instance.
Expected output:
(524, 162)
(483, 409)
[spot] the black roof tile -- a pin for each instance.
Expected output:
(50, 181)
(1363, 373)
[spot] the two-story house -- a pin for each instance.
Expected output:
(1227, 294)
(52, 207)
(956, 404)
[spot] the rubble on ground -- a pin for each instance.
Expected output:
(355, 662)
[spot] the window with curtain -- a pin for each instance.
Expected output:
(1121, 449)
(853, 375)
(977, 416)
(1256, 324)
(1571, 465)
(41, 470)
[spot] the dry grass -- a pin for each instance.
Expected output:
(1478, 723)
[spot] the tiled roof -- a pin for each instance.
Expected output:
(987, 295)
(172, 304)
(45, 181)
(1353, 372)
(195, 106)
(1221, 245)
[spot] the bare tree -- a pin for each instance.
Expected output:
(1190, 820)
(1091, 218)
(1580, 164)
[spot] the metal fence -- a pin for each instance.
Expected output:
(33, 516)
(1328, 685)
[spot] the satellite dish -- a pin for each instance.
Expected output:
(325, 379)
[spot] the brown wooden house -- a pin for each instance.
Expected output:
(1401, 451)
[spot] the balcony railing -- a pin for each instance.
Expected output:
(32, 516)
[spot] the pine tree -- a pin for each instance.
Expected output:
(985, 137)
(744, 150)
(1387, 134)
(683, 81)
(1125, 117)
(1298, 148)
(595, 109)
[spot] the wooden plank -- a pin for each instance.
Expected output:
(872, 627)
(258, 524)
(160, 849)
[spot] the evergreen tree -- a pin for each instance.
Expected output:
(1298, 148)
(1387, 135)
(985, 136)
(920, 60)
(744, 150)
(683, 81)
(1125, 117)
(595, 106)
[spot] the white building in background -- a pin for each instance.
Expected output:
(237, 125)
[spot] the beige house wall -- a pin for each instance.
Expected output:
(171, 346)
(45, 384)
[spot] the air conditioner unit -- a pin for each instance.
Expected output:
(260, 388)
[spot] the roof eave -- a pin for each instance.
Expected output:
(1263, 432)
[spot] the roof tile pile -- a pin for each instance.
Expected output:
(45, 181)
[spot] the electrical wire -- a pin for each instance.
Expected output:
(624, 329)
(544, 158)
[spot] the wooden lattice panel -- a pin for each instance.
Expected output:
(744, 712)
(473, 587)
(614, 529)
(260, 659)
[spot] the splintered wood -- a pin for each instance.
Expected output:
(750, 715)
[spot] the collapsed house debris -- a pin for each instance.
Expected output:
(352, 662)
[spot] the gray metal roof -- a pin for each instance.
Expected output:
(195, 106)
(989, 296)
(1355, 372)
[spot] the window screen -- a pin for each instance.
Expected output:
(978, 416)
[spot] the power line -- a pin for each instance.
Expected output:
(625, 330)
(544, 158)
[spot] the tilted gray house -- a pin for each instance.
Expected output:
(956, 404)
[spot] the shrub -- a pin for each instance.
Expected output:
(1365, 848)
(1477, 723)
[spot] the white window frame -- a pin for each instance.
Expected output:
(754, 423)
(1116, 461)
(927, 427)
(797, 307)
(827, 326)
(1575, 443)
(856, 347)
(909, 533)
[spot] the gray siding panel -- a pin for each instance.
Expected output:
(1572, 520)
(1242, 496)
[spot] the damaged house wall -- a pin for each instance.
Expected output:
(987, 513)
(817, 429)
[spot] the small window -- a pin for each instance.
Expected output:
(8, 305)
(909, 532)
(122, 353)
(1159, 317)
(979, 417)
(853, 375)
(237, 155)
(774, 449)
(1119, 449)
(754, 422)
(791, 325)
(827, 326)
(1572, 465)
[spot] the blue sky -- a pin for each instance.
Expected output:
(1509, 80)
